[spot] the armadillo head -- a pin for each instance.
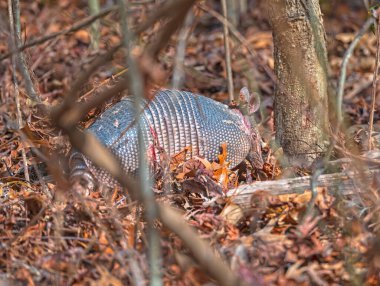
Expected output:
(248, 105)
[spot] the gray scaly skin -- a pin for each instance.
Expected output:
(172, 121)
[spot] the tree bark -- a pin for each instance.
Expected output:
(300, 56)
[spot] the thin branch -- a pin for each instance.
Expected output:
(180, 55)
(227, 53)
(79, 110)
(69, 105)
(145, 177)
(166, 10)
(84, 23)
(169, 29)
(343, 68)
(243, 5)
(14, 10)
(72, 95)
(241, 39)
(313, 188)
(201, 250)
(94, 9)
(375, 73)
(21, 63)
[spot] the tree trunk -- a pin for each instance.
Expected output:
(300, 105)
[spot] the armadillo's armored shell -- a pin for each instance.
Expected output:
(175, 119)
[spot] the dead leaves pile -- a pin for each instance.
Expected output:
(278, 241)
(85, 240)
(100, 239)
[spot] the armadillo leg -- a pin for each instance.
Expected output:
(255, 160)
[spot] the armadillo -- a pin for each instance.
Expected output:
(172, 121)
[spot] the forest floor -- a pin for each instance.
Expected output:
(50, 236)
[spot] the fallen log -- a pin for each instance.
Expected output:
(338, 183)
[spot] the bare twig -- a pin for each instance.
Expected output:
(256, 57)
(313, 188)
(14, 10)
(94, 8)
(145, 177)
(166, 10)
(168, 30)
(243, 5)
(200, 249)
(364, 85)
(104, 82)
(21, 63)
(375, 73)
(68, 105)
(343, 69)
(180, 56)
(69, 102)
(79, 110)
(84, 23)
(227, 53)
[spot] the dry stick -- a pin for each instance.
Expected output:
(104, 82)
(243, 5)
(145, 177)
(227, 53)
(346, 57)
(356, 90)
(72, 95)
(44, 186)
(103, 227)
(79, 110)
(68, 106)
(152, 51)
(84, 76)
(241, 39)
(85, 22)
(166, 10)
(340, 89)
(171, 26)
(373, 98)
(13, 11)
(21, 63)
(94, 9)
(200, 249)
(180, 56)
(313, 184)
(344, 182)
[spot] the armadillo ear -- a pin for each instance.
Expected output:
(253, 100)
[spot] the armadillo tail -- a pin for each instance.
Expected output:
(79, 171)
